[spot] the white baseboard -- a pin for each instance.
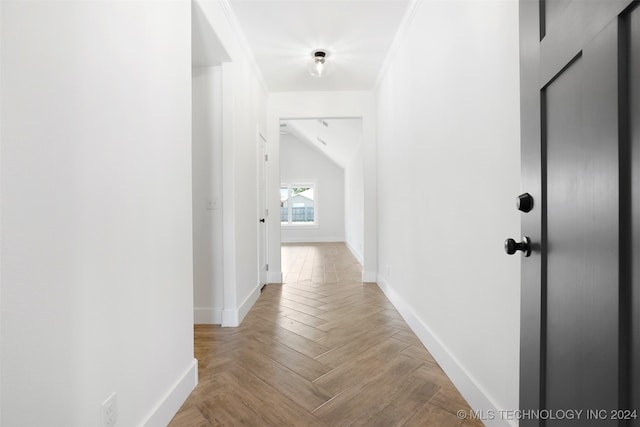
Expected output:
(229, 318)
(477, 399)
(309, 239)
(207, 316)
(233, 317)
(274, 276)
(369, 276)
(248, 303)
(166, 409)
(355, 253)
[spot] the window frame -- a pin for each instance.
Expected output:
(298, 184)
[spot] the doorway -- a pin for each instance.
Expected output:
(208, 279)
(321, 182)
(324, 105)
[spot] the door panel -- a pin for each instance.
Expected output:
(580, 110)
(553, 13)
(580, 312)
(579, 23)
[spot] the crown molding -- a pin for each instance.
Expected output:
(407, 20)
(242, 40)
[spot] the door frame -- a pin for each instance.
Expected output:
(309, 105)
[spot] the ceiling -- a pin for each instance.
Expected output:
(356, 33)
(341, 137)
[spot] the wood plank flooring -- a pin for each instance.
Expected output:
(323, 349)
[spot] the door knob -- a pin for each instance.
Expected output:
(511, 246)
(262, 220)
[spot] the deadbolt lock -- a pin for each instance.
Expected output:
(524, 202)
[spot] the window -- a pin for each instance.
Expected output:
(297, 204)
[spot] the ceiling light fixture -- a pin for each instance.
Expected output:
(319, 67)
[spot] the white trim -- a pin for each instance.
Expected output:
(242, 40)
(320, 239)
(355, 253)
(229, 318)
(229, 267)
(207, 316)
(233, 317)
(274, 276)
(249, 301)
(170, 404)
(369, 276)
(300, 183)
(464, 382)
(262, 148)
(398, 39)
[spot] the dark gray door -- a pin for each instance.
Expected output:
(580, 72)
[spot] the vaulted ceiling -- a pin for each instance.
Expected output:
(282, 35)
(338, 139)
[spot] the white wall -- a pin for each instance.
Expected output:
(243, 116)
(207, 55)
(354, 204)
(300, 163)
(208, 277)
(96, 211)
(1, 215)
(244, 106)
(342, 104)
(448, 131)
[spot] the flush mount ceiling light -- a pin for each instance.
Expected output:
(319, 67)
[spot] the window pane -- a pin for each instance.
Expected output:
(284, 204)
(302, 205)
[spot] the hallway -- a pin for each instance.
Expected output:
(323, 349)
(133, 175)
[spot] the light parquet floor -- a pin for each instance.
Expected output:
(323, 349)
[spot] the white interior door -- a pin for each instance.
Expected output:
(262, 209)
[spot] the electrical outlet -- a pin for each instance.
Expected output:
(110, 411)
